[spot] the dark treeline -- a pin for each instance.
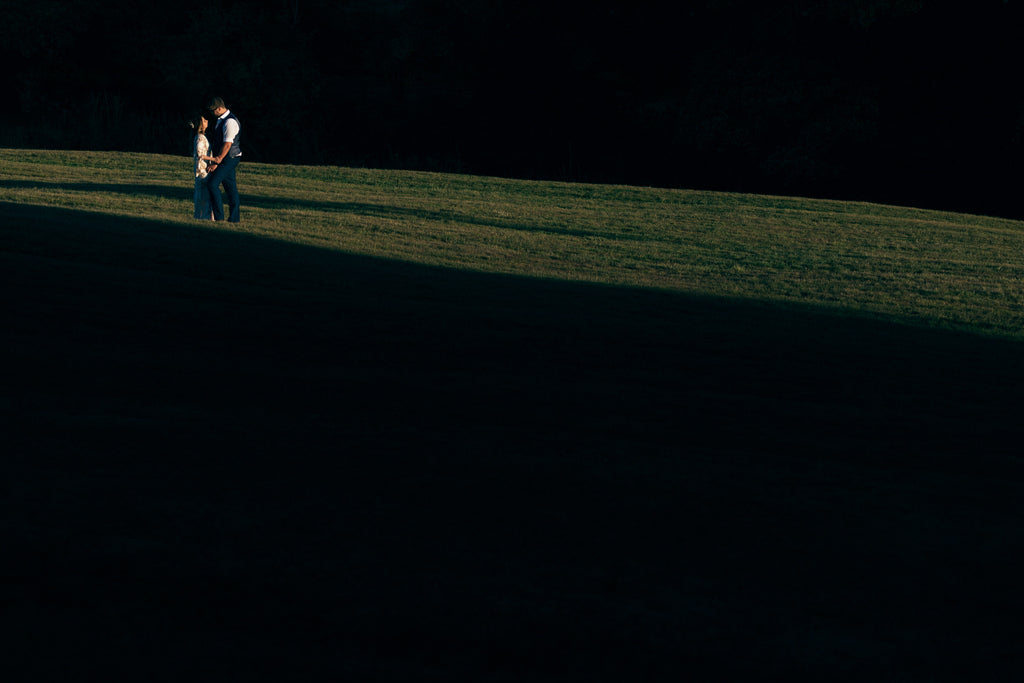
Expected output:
(904, 101)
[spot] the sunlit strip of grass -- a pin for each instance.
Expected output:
(929, 267)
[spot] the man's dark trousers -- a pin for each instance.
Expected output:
(224, 173)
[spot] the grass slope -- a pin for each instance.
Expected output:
(414, 426)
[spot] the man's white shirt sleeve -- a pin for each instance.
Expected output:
(230, 130)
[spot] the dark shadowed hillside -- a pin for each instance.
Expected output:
(230, 457)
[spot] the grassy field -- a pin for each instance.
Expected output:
(925, 267)
(412, 426)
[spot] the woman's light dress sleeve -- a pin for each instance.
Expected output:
(199, 150)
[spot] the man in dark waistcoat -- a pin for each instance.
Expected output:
(227, 153)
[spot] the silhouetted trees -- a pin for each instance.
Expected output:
(909, 101)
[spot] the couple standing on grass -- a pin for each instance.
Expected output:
(218, 169)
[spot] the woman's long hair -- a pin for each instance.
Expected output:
(195, 123)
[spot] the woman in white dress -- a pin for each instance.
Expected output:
(200, 150)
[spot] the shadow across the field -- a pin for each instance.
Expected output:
(161, 191)
(252, 200)
(441, 216)
(327, 465)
